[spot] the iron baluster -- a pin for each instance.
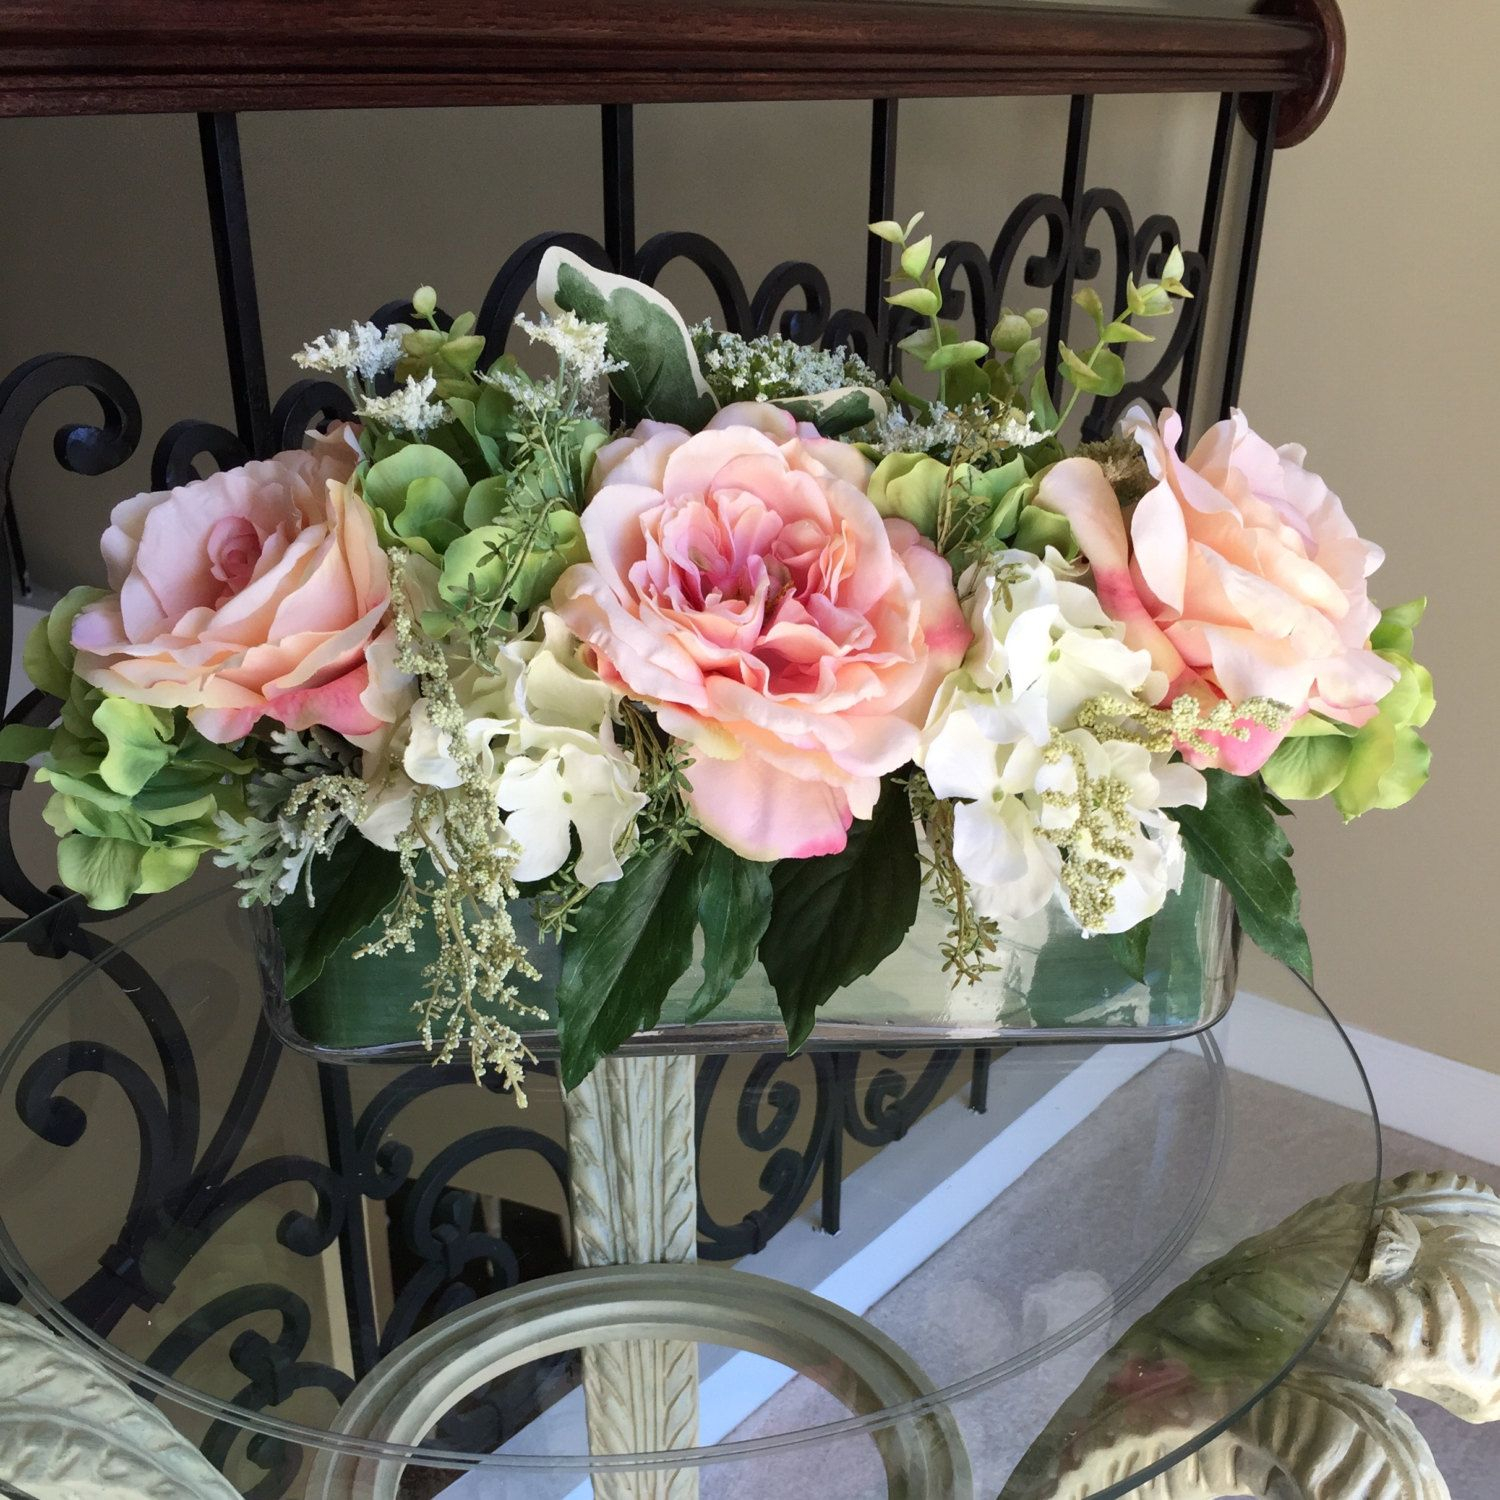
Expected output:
(979, 1083)
(882, 205)
(1208, 243)
(1255, 220)
(1075, 171)
(618, 128)
(354, 1250)
(229, 220)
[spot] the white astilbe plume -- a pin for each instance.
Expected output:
(409, 408)
(361, 350)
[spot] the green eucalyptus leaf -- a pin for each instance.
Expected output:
(1235, 838)
(919, 299)
(915, 256)
(965, 352)
(1088, 299)
(888, 230)
(661, 379)
(1010, 333)
(1120, 332)
(1043, 412)
(836, 917)
(734, 909)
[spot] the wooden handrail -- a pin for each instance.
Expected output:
(133, 56)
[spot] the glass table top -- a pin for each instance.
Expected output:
(245, 1232)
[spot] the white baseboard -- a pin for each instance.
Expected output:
(1451, 1104)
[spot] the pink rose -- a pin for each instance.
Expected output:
(257, 591)
(1242, 576)
(743, 585)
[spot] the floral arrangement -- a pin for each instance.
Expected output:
(731, 673)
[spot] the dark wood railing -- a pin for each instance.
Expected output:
(128, 56)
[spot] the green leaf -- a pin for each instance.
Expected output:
(351, 887)
(139, 740)
(888, 230)
(661, 379)
(1306, 767)
(835, 917)
(1235, 838)
(949, 355)
(914, 257)
(1393, 633)
(1039, 529)
(1105, 376)
(1129, 949)
(834, 413)
(105, 871)
(1042, 409)
(734, 908)
(631, 941)
(1388, 766)
(1010, 334)
(48, 653)
(19, 742)
(387, 482)
(910, 485)
(1120, 332)
(918, 299)
(1088, 299)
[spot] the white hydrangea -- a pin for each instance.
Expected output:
(539, 725)
(409, 408)
(361, 350)
(1045, 807)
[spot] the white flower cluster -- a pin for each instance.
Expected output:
(540, 727)
(944, 429)
(580, 346)
(361, 350)
(771, 367)
(1045, 806)
(409, 408)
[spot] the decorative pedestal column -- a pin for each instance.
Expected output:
(634, 1201)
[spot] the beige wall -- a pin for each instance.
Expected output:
(1370, 344)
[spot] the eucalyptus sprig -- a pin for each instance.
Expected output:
(1101, 372)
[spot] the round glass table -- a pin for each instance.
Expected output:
(936, 1273)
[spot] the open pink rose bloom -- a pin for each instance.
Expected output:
(255, 592)
(742, 584)
(1241, 575)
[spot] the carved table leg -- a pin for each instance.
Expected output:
(634, 1201)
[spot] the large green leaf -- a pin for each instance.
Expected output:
(836, 412)
(835, 917)
(734, 907)
(351, 887)
(1129, 949)
(662, 379)
(1235, 838)
(631, 940)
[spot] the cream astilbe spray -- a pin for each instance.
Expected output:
(460, 832)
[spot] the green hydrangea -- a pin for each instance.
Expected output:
(1382, 764)
(136, 790)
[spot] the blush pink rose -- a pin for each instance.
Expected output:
(255, 592)
(742, 584)
(1242, 576)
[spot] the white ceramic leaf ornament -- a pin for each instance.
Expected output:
(1422, 1316)
(71, 1431)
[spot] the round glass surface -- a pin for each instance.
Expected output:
(961, 1272)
